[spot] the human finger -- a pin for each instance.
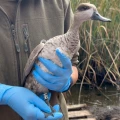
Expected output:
(50, 78)
(42, 81)
(64, 59)
(51, 66)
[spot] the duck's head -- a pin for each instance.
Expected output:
(86, 11)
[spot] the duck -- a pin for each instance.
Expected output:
(68, 43)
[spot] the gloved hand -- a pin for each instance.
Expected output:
(60, 79)
(28, 105)
(55, 107)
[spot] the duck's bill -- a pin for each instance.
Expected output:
(97, 16)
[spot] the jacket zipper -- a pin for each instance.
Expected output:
(13, 34)
(26, 38)
(17, 48)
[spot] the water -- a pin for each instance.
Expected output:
(92, 96)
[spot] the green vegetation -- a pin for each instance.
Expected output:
(100, 45)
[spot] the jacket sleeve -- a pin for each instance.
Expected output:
(68, 15)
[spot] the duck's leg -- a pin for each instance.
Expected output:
(48, 103)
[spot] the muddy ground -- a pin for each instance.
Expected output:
(105, 113)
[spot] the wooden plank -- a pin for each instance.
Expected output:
(76, 114)
(87, 119)
(76, 107)
(83, 119)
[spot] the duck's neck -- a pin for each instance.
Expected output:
(72, 37)
(75, 25)
(73, 31)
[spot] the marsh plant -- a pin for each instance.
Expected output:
(99, 59)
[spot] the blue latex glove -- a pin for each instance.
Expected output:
(60, 79)
(55, 107)
(28, 105)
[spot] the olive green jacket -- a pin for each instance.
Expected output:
(35, 20)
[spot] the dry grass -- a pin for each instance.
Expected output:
(100, 45)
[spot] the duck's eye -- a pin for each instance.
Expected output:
(83, 8)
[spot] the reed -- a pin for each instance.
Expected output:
(99, 59)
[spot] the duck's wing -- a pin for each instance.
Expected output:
(31, 60)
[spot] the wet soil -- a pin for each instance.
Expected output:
(105, 113)
(98, 104)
